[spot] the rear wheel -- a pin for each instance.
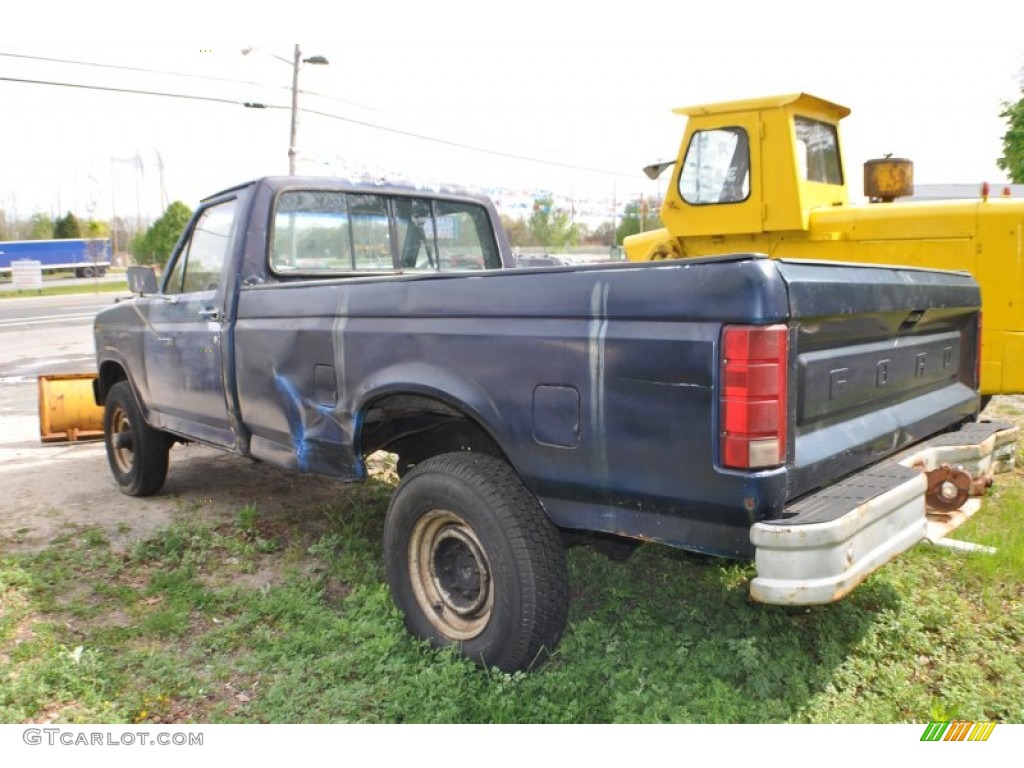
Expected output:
(136, 452)
(473, 561)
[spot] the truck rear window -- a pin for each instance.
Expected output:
(328, 232)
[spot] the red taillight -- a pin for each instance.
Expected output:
(753, 401)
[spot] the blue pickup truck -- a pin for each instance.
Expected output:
(802, 414)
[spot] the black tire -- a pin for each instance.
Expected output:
(136, 452)
(473, 561)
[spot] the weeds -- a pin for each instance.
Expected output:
(269, 620)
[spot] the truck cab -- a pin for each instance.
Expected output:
(767, 175)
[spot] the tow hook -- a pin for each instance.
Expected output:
(949, 489)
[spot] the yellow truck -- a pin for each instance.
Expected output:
(767, 176)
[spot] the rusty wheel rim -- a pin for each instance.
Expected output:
(121, 440)
(451, 575)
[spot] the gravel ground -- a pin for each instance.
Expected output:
(51, 490)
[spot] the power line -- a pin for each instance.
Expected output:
(151, 71)
(135, 91)
(126, 68)
(329, 115)
(459, 145)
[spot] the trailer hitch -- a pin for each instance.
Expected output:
(949, 488)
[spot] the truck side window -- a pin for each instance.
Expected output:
(444, 235)
(818, 151)
(716, 168)
(199, 265)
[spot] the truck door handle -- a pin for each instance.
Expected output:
(211, 313)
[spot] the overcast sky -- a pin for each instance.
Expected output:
(569, 97)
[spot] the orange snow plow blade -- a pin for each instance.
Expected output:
(67, 411)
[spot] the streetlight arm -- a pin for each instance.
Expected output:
(247, 51)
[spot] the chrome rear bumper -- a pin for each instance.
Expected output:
(831, 540)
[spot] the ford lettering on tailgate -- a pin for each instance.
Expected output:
(893, 369)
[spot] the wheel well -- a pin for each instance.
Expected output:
(417, 427)
(110, 373)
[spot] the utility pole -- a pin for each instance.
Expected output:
(297, 62)
(295, 109)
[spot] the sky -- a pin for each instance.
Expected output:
(532, 97)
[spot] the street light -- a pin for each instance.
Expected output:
(296, 62)
(295, 101)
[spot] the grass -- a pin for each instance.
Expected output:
(288, 620)
(86, 286)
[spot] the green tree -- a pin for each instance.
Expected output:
(120, 234)
(1012, 160)
(93, 228)
(67, 227)
(638, 216)
(603, 234)
(154, 246)
(519, 235)
(551, 226)
(40, 227)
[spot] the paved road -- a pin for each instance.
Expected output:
(48, 334)
(53, 489)
(49, 310)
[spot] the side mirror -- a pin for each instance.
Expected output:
(142, 280)
(654, 170)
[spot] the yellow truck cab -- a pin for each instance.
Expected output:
(767, 176)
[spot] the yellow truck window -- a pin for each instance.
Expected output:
(717, 167)
(818, 151)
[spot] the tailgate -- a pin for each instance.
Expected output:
(882, 358)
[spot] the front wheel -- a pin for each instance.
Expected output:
(136, 452)
(473, 561)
